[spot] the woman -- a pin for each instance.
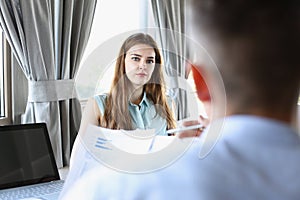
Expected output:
(136, 99)
(137, 96)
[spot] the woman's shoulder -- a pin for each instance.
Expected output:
(101, 101)
(170, 99)
(102, 96)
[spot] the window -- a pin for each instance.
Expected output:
(111, 20)
(5, 92)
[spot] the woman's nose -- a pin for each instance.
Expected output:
(142, 64)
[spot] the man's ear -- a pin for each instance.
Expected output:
(201, 86)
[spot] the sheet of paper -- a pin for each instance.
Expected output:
(134, 142)
(136, 151)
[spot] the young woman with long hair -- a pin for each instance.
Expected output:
(137, 97)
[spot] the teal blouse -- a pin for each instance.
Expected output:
(143, 116)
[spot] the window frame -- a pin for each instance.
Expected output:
(7, 118)
(2, 96)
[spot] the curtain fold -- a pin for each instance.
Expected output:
(169, 16)
(48, 38)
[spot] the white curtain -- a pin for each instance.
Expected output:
(48, 38)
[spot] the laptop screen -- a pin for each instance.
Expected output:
(26, 155)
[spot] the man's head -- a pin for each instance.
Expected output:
(256, 46)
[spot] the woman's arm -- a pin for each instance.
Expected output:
(91, 115)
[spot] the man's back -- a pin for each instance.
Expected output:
(256, 158)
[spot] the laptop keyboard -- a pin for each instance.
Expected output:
(32, 191)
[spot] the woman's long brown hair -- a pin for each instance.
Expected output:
(116, 114)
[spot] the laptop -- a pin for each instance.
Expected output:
(27, 165)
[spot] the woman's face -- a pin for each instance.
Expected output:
(139, 64)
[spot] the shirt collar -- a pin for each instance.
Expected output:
(144, 101)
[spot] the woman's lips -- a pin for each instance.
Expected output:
(141, 74)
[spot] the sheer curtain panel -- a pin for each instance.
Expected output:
(169, 16)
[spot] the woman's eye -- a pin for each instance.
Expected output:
(150, 61)
(135, 58)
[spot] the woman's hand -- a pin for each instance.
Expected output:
(195, 132)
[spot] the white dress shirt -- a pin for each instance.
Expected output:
(256, 158)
